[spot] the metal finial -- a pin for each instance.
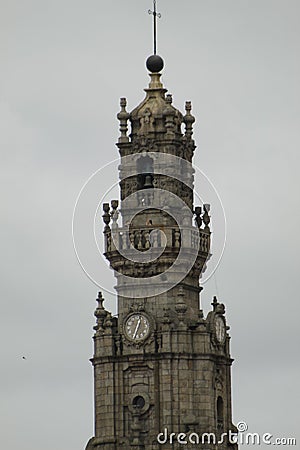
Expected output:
(155, 14)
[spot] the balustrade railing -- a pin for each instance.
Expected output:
(145, 238)
(142, 239)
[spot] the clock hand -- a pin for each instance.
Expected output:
(137, 327)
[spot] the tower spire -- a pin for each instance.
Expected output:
(155, 15)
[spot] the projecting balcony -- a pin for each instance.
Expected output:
(152, 249)
(167, 238)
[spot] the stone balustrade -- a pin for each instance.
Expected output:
(143, 239)
(156, 237)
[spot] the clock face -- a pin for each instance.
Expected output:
(220, 329)
(137, 327)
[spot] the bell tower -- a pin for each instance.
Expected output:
(160, 366)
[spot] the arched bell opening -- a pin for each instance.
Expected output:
(144, 166)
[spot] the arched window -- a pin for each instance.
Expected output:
(220, 414)
(144, 166)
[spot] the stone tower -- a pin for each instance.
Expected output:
(160, 366)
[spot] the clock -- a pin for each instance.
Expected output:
(220, 329)
(137, 327)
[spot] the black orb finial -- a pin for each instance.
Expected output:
(155, 63)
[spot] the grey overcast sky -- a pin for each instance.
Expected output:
(64, 66)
